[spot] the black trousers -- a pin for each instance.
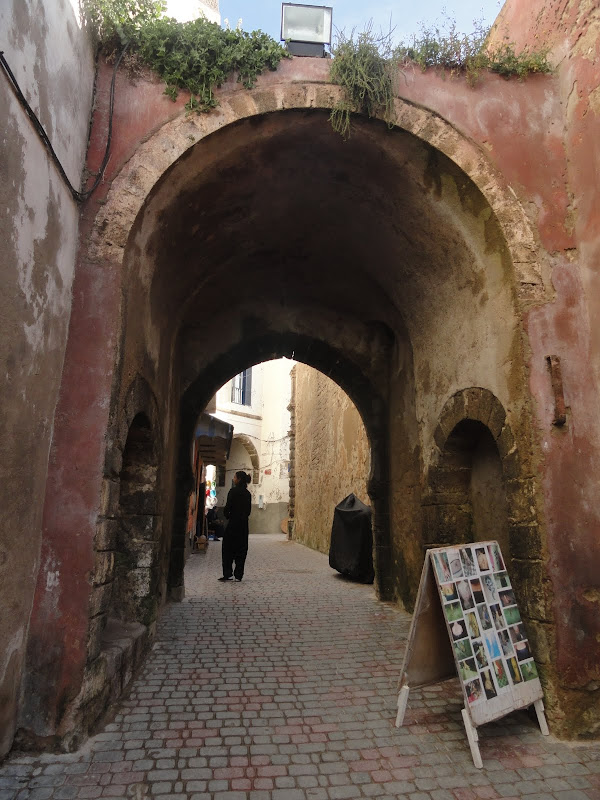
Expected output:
(234, 549)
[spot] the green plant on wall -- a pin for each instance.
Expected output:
(196, 56)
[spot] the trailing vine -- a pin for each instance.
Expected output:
(367, 66)
(196, 56)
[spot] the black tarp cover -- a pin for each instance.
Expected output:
(351, 548)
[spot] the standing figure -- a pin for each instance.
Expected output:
(235, 539)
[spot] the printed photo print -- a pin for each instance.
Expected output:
(496, 558)
(477, 590)
(505, 643)
(455, 564)
(517, 633)
(488, 685)
(513, 669)
(497, 617)
(448, 591)
(490, 589)
(502, 580)
(467, 669)
(482, 559)
(507, 598)
(484, 617)
(529, 671)
(458, 629)
(453, 611)
(512, 615)
(493, 647)
(473, 691)
(480, 656)
(468, 564)
(463, 650)
(464, 594)
(472, 624)
(442, 567)
(500, 673)
(522, 650)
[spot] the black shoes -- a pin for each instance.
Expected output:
(226, 579)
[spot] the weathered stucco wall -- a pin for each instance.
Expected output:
(569, 328)
(51, 58)
(332, 455)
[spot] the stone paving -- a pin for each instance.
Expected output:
(283, 687)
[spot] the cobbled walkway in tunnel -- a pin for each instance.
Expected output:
(283, 687)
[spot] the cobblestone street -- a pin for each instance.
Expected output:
(283, 687)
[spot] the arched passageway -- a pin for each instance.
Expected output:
(378, 261)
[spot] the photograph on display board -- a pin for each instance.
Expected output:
(517, 633)
(463, 649)
(468, 669)
(505, 643)
(458, 629)
(529, 671)
(497, 617)
(522, 650)
(484, 617)
(468, 564)
(477, 591)
(491, 642)
(500, 673)
(490, 589)
(472, 624)
(507, 598)
(482, 559)
(512, 615)
(455, 564)
(496, 558)
(453, 611)
(513, 670)
(488, 685)
(448, 592)
(474, 691)
(480, 656)
(464, 594)
(442, 567)
(502, 580)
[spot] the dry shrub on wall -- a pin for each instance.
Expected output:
(366, 65)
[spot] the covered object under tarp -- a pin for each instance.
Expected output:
(351, 548)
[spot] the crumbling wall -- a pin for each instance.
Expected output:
(51, 57)
(332, 455)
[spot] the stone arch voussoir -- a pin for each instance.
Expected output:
(157, 154)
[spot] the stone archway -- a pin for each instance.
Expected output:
(250, 448)
(370, 404)
(339, 256)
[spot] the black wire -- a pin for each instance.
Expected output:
(79, 196)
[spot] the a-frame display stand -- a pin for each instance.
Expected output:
(466, 622)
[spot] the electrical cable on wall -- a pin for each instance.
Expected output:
(80, 197)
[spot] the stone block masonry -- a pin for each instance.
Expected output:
(283, 687)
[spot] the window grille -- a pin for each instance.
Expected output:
(241, 388)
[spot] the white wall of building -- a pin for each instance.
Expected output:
(186, 10)
(265, 423)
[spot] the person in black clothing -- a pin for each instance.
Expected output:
(235, 539)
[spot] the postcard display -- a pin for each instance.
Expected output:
(474, 629)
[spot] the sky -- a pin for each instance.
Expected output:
(356, 14)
